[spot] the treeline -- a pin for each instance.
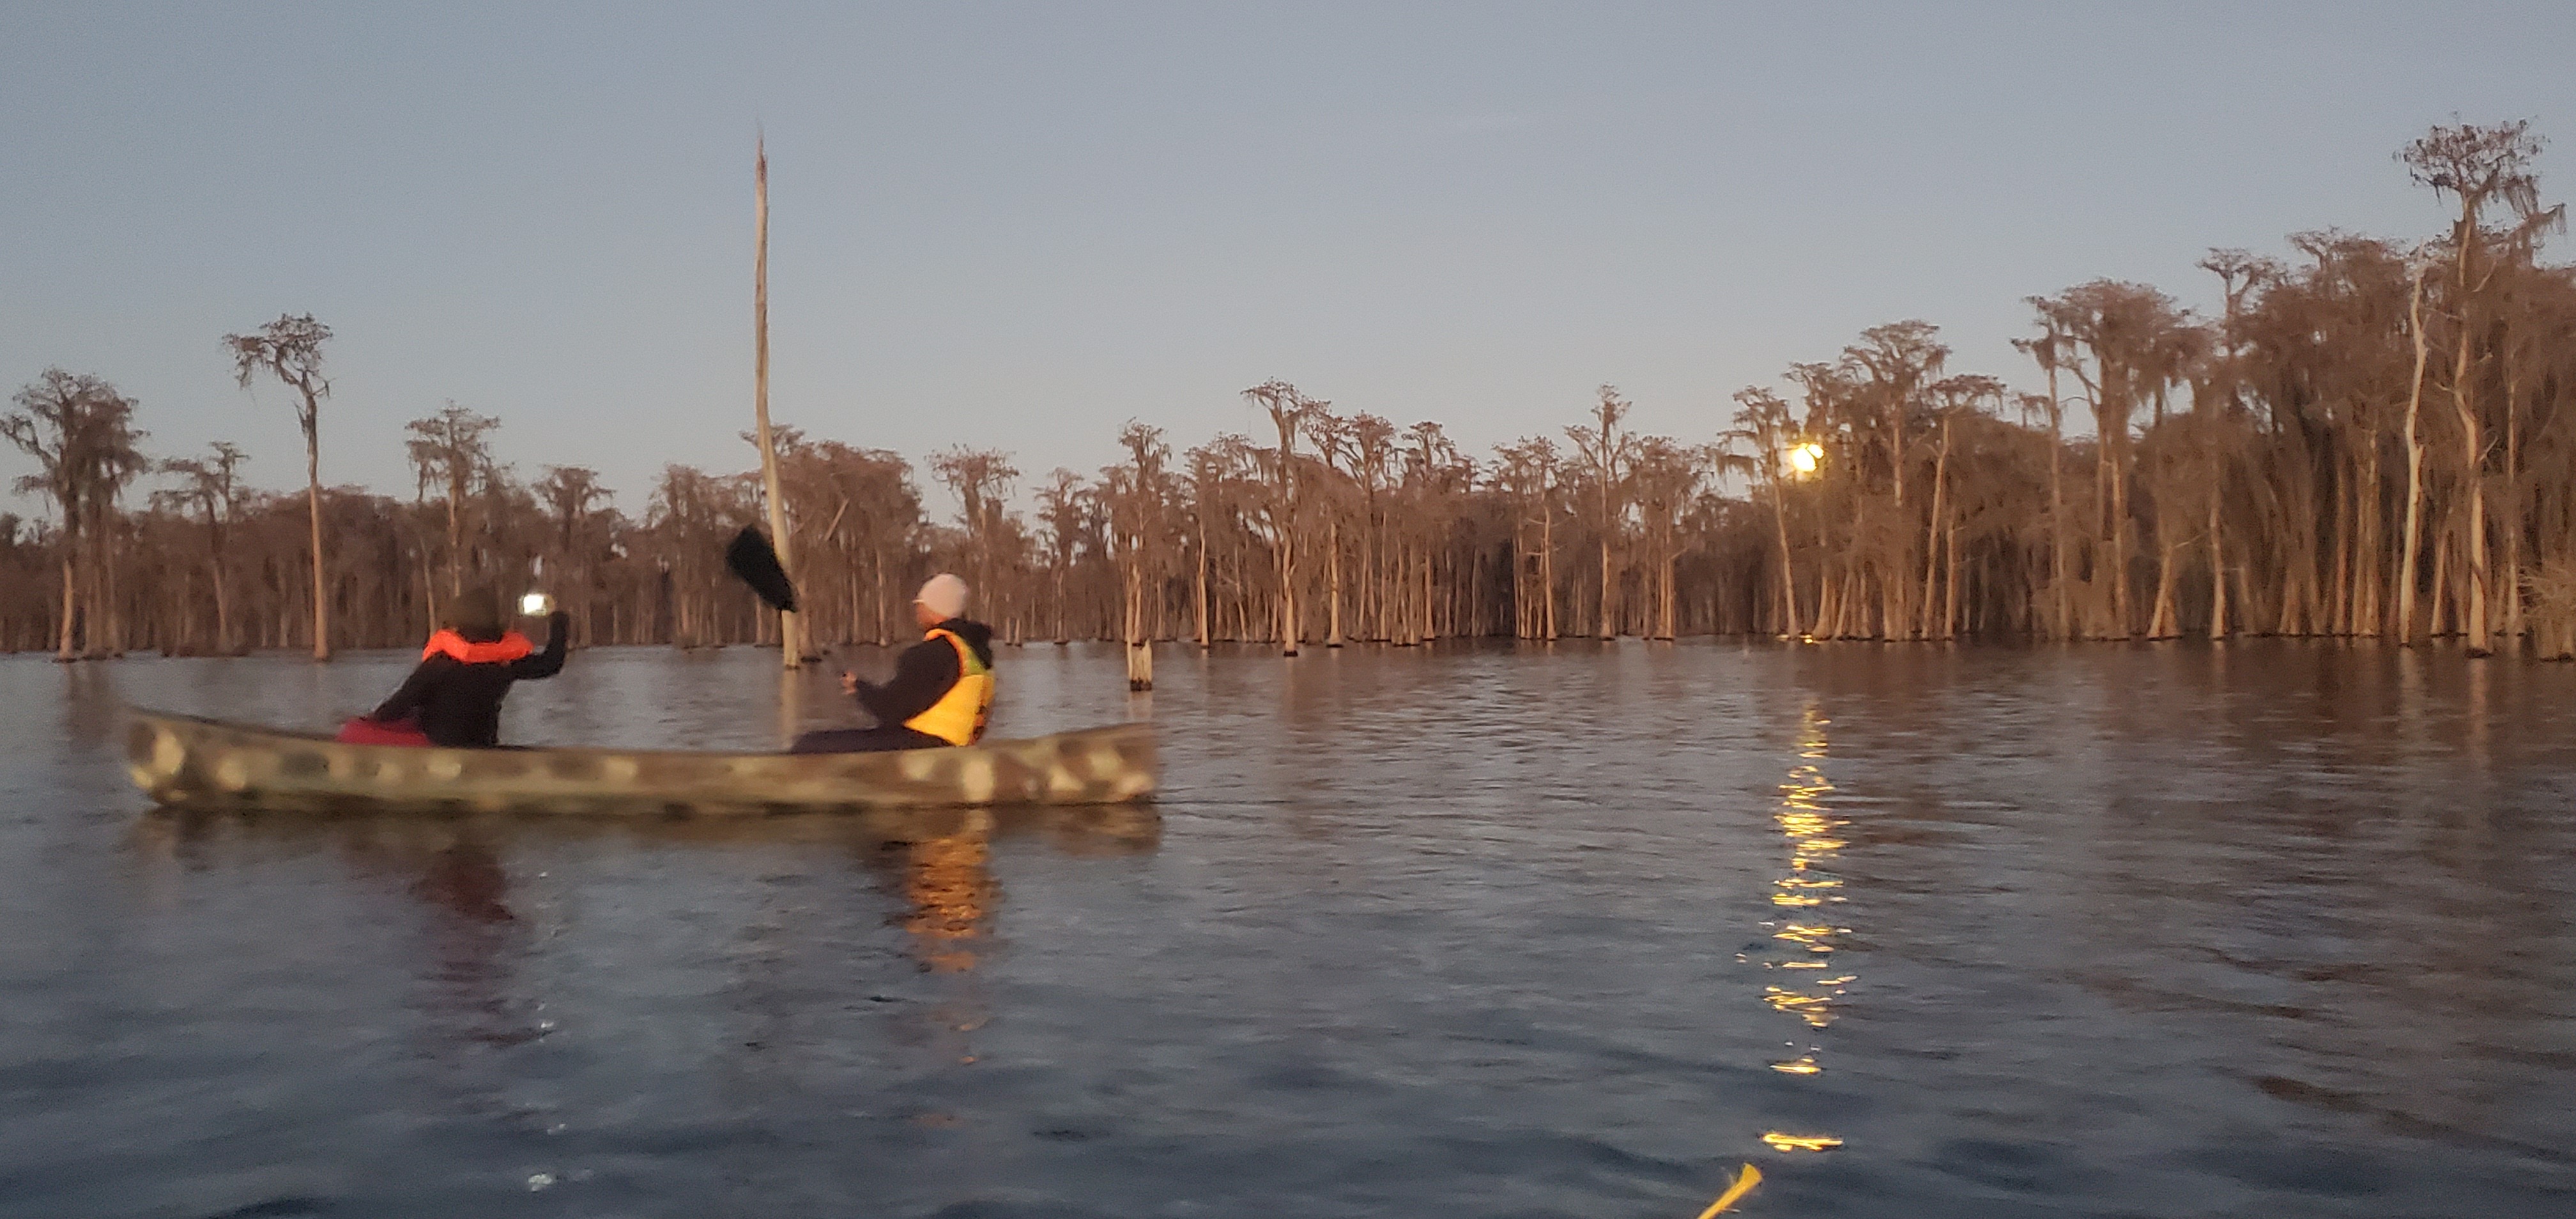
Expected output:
(2370, 440)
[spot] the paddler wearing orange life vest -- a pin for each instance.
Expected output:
(942, 690)
(454, 696)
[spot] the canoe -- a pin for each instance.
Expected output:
(186, 762)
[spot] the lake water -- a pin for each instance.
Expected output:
(2266, 929)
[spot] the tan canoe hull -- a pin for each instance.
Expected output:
(187, 762)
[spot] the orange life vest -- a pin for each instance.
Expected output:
(510, 646)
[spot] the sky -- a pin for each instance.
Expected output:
(1019, 226)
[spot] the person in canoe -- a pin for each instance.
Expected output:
(453, 698)
(942, 690)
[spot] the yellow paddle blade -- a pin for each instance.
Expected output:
(1744, 1184)
(1801, 1142)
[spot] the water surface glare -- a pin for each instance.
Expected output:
(2262, 929)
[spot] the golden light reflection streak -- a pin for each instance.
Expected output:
(1806, 927)
(948, 890)
(948, 886)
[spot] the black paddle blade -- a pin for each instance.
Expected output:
(750, 557)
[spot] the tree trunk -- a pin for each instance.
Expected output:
(1788, 573)
(2339, 600)
(2473, 482)
(2514, 516)
(1932, 538)
(109, 594)
(1288, 628)
(2058, 574)
(2217, 567)
(223, 606)
(2413, 544)
(63, 645)
(455, 533)
(1202, 591)
(791, 642)
(1950, 588)
(1430, 627)
(2115, 469)
(1609, 626)
(2164, 621)
(1669, 602)
(313, 506)
(2442, 599)
(1547, 567)
(879, 566)
(428, 592)
(1333, 582)
(1140, 653)
(1521, 628)
(2370, 572)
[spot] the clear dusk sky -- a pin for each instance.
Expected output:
(1018, 226)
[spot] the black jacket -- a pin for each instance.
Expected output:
(458, 705)
(924, 673)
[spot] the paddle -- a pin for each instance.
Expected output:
(750, 557)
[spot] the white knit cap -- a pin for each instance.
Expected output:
(943, 594)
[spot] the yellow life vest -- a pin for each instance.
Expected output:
(960, 715)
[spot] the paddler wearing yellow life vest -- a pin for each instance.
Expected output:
(942, 690)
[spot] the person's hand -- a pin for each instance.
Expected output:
(849, 682)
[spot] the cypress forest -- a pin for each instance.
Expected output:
(2370, 438)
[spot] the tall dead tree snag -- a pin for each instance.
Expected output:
(791, 641)
(290, 349)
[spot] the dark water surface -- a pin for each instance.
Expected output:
(2267, 929)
